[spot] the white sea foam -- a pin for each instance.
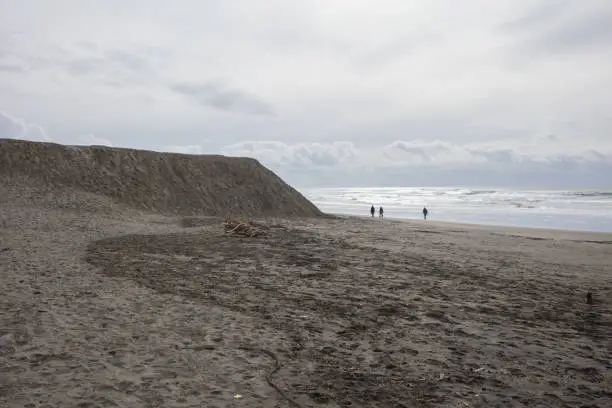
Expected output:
(587, 210)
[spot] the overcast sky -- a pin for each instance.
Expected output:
(343, 92)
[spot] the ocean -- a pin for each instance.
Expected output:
(587, 210)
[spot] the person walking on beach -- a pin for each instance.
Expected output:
(425, 213)
(372, 211)
(380, 212)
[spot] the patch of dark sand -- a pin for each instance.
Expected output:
(377, 327)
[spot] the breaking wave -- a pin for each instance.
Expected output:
(583, 210)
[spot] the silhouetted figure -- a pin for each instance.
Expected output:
(589, 298)
(372, 211)
(380, 212)
(425, 212)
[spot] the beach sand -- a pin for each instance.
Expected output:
(106, 306)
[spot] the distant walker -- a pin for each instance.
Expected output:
(425, 212)
(372, 211)
(380, 212)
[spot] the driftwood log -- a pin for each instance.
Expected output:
(245, 228)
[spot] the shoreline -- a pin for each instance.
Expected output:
(581, 210)
(494, 228)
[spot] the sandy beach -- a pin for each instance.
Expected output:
(103, 306)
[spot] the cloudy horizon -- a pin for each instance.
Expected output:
(510, 93)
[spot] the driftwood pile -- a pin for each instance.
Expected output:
(246, 228)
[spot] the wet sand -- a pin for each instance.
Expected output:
(122, 308)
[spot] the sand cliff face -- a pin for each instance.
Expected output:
(167, 183)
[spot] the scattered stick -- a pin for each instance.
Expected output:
(245, 228)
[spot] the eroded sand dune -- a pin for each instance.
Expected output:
(163, 182)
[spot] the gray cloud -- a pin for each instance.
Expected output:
(424, 151)
(87, 45)
(128, 61)
(498, 156)
(218, 97)
(386, 53)
(563, 27)
(544, 13)
(300, 155)
(186, 149)
(593, 31)
(111, 66)
(427, 162)
(93, 140)
(16, 68)
(82, 66)
(15, 128)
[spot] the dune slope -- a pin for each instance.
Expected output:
(166, 183)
